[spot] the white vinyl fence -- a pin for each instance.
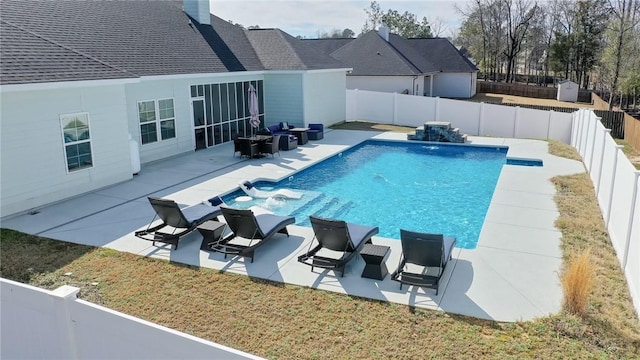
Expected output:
(471, 118)
(616, 185)
(42, 324)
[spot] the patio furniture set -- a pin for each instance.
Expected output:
(275, 138)
(244, 230)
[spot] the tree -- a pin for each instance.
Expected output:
(404, 24)
(485, 26)
(579, 39)
(626, 17)
(519, 14)
(348, 33)
(335, 34)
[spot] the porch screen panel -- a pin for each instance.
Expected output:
(226, 106)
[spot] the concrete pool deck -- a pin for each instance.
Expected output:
(511, 276)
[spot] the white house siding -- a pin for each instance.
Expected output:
(454, 85)
(33, 165)
(156, 90)
(283, 98)
(390, 84)
(177, 88)
(324, 97)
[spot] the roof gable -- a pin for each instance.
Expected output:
(370, 54)
(442, 54)
(278, 50)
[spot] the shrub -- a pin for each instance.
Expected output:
(577, 283)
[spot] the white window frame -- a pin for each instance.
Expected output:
(64, 119)
(158, 121)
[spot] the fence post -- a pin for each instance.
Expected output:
(355, 105)
(549, 124)
(604, 142)
(593, 146)
(580, 126)
(437, 108)
(63, 297)
(617, 149)
(480, 118)
(515, 121)
(395, 108)
(631, 217)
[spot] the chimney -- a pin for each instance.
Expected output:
(383, 31)
(198, 9)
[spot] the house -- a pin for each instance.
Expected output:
(387, 62)
(82, 82)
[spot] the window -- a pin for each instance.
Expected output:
(77, 141)
(156, 117)
(167, 119)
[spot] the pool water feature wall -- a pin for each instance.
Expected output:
(423, 187)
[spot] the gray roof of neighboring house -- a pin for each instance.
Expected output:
(443, 54)
(328, 45)
(370, 54)
(278, 50)
(48, 41)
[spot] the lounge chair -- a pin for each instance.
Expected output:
(178, 221)
(424, 251)
(254, 226)
(252, 191)
(342, 238)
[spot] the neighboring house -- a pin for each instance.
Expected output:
(387, 62)
(79, 79)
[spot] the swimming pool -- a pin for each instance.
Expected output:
(421, 187)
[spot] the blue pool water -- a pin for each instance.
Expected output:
(421, 187)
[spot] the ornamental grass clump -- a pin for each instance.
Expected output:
(577, 283)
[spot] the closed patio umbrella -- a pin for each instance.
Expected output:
(253, 108)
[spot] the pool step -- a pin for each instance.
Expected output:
(334, 208)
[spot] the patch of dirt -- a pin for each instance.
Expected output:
(511, 99)
(369, 126)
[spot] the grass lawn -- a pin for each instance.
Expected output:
(281, 321)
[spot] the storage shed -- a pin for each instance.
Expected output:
(567, 91)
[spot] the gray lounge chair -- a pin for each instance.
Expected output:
(424, 250)
(339, 236)
(178, 221)
(254, 229)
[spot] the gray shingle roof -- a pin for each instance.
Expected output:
(328, 45)
(22, 60)
(278, 50)
(443, 54)
(370, 54)
(88, 40)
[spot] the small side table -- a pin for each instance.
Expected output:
(211, 232)
(373, 256)
(301, 134)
